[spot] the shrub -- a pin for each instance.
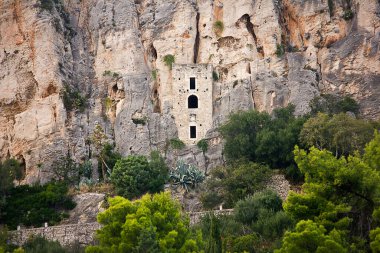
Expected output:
(229, 184)
(151, 224)
(263, 213)
(134, 176)
(203, 145)
(215, 76)
(248, 210)
(260, 137)
(280, 51)
(332, 104)
(245, 243)
(218, 27)
(72, 99)
(169, 60)
(140, 121)
(154, 74)
(111, 74)
(39, 244)
(10, 170)
(348, 14)
(176, 143)
(341, 133)
(187, 176)
(108, 103)
(34, 205)
(47, 4)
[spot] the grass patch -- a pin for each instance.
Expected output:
(215, 76)
(169, 59)
(280, 51)
(203, 145)
(176, 143)
(154, 74)
(218, 27)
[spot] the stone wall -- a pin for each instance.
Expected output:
(195, 217)
(83, 233)
(64, 234)
(185, 117)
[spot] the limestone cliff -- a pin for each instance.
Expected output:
(266, 54)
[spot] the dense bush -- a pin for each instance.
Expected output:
(203, 145)
(229, 184)
(10, 170)
(340, 133)
(263, 213)
(333, 104)
(135, 175)
(37, 244)
(176, 143)
(34, 205)
(73, 100)
(150, 224)
(260, 137)
(169, 59)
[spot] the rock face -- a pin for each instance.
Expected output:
(87, 208)
(265, 54)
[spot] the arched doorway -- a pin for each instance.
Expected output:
(192, 101)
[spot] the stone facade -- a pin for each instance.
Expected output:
(192, 102)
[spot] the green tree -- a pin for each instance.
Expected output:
(340, 133)
(134, 175)
(103, 150)
(34, 205)
(109, 156)
(229, 184)
(260, 137)
(154, 223)
(339, 194)
(332, 104)
(65, 169)
(263, 213)
(214, 243)
(310, 237)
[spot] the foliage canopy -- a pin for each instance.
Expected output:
(135, 175)
(153, 223)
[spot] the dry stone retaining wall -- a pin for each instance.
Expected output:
(82, 233)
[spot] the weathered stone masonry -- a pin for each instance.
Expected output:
(83, 233)
(192, 101)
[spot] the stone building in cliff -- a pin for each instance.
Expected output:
(192, 100)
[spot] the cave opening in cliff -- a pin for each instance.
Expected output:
(192, 102)
(193, 132)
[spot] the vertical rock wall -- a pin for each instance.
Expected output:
(267, 53)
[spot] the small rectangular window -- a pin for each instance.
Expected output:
(193, 132)
(192, 83)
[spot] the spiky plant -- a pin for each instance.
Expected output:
(185, 175)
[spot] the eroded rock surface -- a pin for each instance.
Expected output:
(112, 52)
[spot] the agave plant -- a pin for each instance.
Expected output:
(186, 175)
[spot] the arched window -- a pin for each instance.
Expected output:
(192, 102)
